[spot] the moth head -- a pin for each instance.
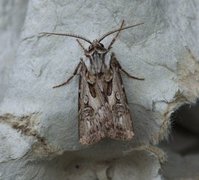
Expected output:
(95, 47)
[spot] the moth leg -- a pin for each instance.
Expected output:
(71, 77)
(129, 75)
(117, 64)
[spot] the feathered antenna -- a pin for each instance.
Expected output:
(67, 34)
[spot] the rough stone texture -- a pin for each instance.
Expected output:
(12, 15)
(39, 136)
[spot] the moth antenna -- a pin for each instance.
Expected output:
(81, 44)
(67, 34)
(120, 29)
(113, 40)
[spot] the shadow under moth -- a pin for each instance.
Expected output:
(102, 105)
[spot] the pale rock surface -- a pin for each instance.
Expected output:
(39, 126)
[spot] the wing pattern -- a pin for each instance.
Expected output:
(103, 107)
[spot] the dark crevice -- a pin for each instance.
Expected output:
(184, 137)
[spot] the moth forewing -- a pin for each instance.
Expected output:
(123, 128)
(102, 105)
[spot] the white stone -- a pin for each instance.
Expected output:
(13, 144)
(164, 50)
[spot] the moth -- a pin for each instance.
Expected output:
(103, 109)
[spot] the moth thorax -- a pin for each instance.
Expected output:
(99, 63)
